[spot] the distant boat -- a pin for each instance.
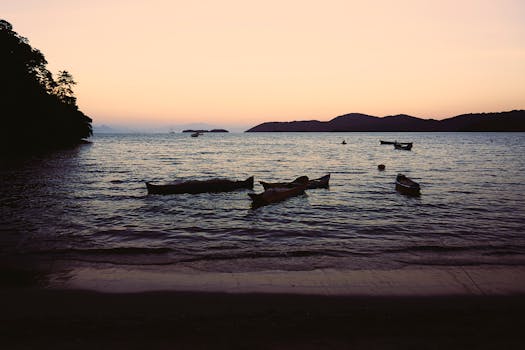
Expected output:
(196, 134)
(278, 194)
(403, 146)
(199, 186)
(321, 182)
(407, 186)
(394, 142)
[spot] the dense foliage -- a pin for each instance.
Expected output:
(37, 111)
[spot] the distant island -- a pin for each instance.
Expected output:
(212, 130)
(502, 121)
(38, 111)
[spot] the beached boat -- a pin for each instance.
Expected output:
(407, 186)
(200, 186)
(403, 146)
(321, 182)
(278, 194)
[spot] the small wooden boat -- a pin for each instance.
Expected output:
(200, 186)
(394, 142)
(321, 182)
(403, 146)
(407, 186)
(278, 194)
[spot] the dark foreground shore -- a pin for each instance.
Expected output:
(71, 319)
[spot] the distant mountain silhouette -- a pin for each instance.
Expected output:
(108, 129)
(38, 111)
(502, 121)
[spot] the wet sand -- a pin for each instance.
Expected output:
(422, 281)
(290, 319)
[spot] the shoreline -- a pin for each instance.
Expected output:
(409, 281)
(405, 282)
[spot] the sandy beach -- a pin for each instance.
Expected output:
(113, 308)
(408, 282)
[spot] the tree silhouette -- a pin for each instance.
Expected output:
(64, 88)
(37, 111)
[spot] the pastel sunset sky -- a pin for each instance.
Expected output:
(241, 62)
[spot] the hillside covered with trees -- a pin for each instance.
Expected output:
(498, 121)
(37, 111)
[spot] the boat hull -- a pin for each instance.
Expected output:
(322, 182)
(401, 146)
(277, 194)
(404, 144)
(200, 186)
(407, 186)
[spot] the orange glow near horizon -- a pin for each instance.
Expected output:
(240, 62)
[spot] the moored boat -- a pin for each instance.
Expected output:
(407, 186)
(199, 186)
(394, 143)
(403, 146)
(322, 182)
(278, 194)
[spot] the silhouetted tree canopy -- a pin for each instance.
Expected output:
(36, 110)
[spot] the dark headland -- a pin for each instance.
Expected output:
(38, 111)
(502, 121)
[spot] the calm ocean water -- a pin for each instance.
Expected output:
(90, 204)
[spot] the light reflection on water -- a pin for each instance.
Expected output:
(91, 204)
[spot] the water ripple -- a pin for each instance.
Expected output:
(91, 203)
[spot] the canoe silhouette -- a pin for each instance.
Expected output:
(321, 182)
(403, 146)
(200, 186)
(278, 194)
(407, 186)
(394, 142)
